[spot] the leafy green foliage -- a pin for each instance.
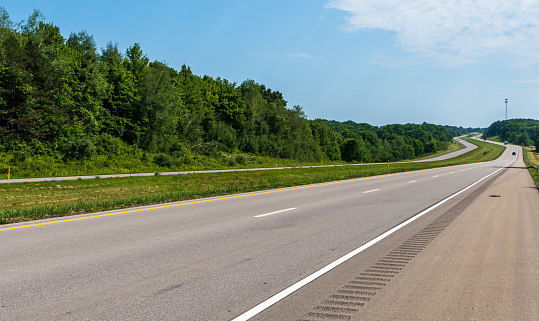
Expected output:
(354, 150)
(460, 131)
(163, 160)
(63, 100)
(392, 142)
(46, 199)
(78, 148)
(515, 131)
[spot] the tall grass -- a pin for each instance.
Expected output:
(128, 162)
(531, 159)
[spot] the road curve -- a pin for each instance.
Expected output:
(467, 147)
(214, 259)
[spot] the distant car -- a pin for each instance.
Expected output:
(514, 153)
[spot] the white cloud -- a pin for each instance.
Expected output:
(463, 29)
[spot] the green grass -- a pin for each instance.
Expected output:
(132, 160)
(496, 139)
(30, 201)
(127, 162)
(531, 159)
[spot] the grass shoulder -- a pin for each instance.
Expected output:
(31, 201)
(134, 161)
(531, 159)
(131, 160)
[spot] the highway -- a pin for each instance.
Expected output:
(222, 258)
(467, 147)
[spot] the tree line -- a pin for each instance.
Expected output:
(367, 143)
(65, 98)
(523, 132)
(460, 131)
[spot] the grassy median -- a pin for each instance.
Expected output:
(30, 201)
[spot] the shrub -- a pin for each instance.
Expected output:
(249, 144)
(224, 136)
(109, 144)
(78, 148)
(21, 155)
(242, 160)
(163, 160)
(178, 149)
(3, 169)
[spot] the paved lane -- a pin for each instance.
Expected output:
(208, 259)
(474, 259)
(467, 147)
(485, 266)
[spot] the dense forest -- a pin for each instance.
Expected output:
(515, 131)
(366, 143)
(460, 131)
(67, 100)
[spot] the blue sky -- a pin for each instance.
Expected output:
(449, 62)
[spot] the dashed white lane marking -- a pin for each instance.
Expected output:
(296, 286)
(277, 212)
(435, 175)
(412, 182)
(372, 190)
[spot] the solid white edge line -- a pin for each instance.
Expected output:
(372, 190)
(277, 212)
(294, 287)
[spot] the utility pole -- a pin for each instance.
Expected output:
(506, 118)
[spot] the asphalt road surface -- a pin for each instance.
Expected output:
(218, 258)
(474, 259)
(467, 147)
